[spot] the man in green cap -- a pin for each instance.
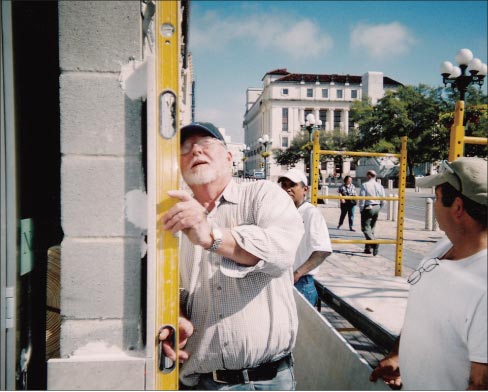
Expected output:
(443, 344)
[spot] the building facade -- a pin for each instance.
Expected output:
(280, 107)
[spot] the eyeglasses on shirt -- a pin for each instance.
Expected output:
(428, 266)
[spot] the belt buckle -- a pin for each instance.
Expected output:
(216, 379)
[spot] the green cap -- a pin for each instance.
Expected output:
(466, 174)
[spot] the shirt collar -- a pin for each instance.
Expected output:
(231, 193)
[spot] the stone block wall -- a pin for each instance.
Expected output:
(101, 163)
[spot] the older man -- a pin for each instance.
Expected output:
(370, 209)
(443, 344)
(315, 244)
(236, 271)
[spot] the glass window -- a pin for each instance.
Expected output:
(337, 119)
(284, 91)
(284, 142)
(323, 117)
(354, 94)
(309, 92)
(284, 119)
(340, 94)
(325, 93)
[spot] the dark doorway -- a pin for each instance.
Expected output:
(36, 70)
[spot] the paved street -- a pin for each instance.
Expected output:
(368, 283)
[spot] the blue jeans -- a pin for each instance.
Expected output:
(284, 381)
(306, 286)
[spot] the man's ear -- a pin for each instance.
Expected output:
(457, 207)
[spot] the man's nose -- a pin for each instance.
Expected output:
(197, 150)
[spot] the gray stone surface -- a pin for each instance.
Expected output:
(116, 371)
(93, 191)
(116, 334)
(96, 117)
(101, 278)
(98, 35)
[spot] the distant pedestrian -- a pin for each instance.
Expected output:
(443, 344)
(347, 206)
(315, 244)
(370, 209)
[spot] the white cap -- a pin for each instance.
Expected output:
(295, 175)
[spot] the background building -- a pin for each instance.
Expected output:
(280, 107)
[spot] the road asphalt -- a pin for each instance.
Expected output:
(368, 283)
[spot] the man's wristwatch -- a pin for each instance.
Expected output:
(217, 237)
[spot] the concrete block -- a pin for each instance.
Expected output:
(98, 372)
(98, 35)
(114, 334)
(92, 195)
(331, 365)
(96, 117)
(86, 291)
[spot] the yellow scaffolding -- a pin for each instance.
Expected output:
(457, 137)
(317, 152)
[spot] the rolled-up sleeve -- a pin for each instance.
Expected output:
(275, 232)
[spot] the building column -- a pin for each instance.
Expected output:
(316, 113)
(301, 116)
(297, 115)
(330, 118)
(345, 121)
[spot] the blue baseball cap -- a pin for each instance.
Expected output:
(200, 127)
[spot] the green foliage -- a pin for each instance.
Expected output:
(422, 113)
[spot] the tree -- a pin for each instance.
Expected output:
(408, 111)
(301, 147)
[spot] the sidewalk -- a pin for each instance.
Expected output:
(368, 283)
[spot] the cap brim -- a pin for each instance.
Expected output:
(191, 129)
(294, 180)
(432, 180)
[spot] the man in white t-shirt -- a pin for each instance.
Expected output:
(443, 344)
(315, 244)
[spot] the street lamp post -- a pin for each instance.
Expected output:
(310, 125)
(459, 80)
(245, 152)
(265, 141)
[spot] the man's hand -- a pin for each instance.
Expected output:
(185, 328)
(296, 276)
(189, 216)
(388, 370)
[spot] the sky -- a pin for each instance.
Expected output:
(235, 43)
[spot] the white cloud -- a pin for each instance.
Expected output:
(274, 32)
(382, 40)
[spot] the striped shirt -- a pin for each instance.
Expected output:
(243, 316)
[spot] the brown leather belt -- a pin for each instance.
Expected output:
(264, 372)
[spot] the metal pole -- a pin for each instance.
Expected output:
(401, 207)
(428, 213)
(456, 144)
(310, 130)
